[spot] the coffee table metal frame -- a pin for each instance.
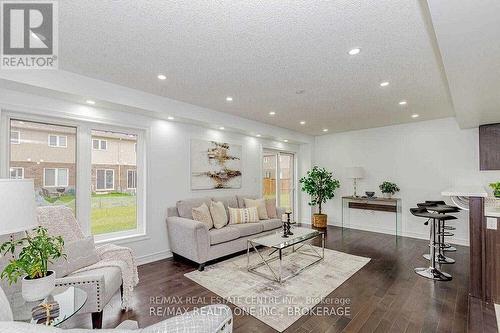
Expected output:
(280, 248)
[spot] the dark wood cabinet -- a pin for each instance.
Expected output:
(489, 147)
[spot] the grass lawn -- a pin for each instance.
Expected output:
(113, 219)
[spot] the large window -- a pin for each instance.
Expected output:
(114, 200)
(279, 180)
(53, 170)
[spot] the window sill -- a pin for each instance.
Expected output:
(121, 239)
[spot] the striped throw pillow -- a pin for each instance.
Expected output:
(243, 215)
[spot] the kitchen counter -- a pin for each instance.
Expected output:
(466, 191)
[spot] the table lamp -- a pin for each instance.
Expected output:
(17, 206)
(355, 173)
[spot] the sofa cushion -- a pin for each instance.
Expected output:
(222, 235)
(261, 207)
(271, 208)
(185, 207)
(241, 199)
(219, 214)
(247, 229)
(202, 214)
(271, 224)
(243, 215)
(79, 253)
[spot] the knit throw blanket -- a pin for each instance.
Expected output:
(117, 256)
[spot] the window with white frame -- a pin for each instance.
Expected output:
(99, 144)
(105, 179)
(16, 173)
(60, 141)
(55, 177)
(15, 137)
(131, 179)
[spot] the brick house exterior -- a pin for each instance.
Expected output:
(47, 154)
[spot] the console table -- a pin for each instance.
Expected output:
(390, 205)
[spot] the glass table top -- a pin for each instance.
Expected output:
(70, 300)
(277, 241)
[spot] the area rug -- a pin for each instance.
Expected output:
(279, 305)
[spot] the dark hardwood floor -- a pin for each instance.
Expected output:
(386, 295)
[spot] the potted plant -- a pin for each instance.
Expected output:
(496, 189)
(37, 251)
(388, 189)
(320, 185)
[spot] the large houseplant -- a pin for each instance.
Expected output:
(496, 189)
(320, 185)
(38, 249)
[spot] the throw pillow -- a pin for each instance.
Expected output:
(79, 254)
(261, 207)
(271, 209)
(219, 214)
(202, 214)
(243, 215)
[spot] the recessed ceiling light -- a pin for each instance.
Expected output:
(302, 122)
(285, 140)
(229, 99)
(272, 113)
(325, 129)
(300, 91)
(91, 102)
(162, 77)
(221, 128)
(170, 118)
(384, 84)
(258, 135)
(403, 103)
(415, 115)
(354, 51)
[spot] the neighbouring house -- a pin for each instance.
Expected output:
(47, 154)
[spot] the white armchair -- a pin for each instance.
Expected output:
(100, 283)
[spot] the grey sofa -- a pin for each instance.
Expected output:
(193, 240)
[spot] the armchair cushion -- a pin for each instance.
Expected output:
(79, 253)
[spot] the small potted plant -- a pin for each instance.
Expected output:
(320, 185)
(37, 251)
(496, 189)
(388, 189)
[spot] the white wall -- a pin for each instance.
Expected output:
(168, 159)
(423, 158)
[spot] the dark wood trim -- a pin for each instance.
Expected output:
(489, 154)
(492, 265)
(476, 237)
(370, 206)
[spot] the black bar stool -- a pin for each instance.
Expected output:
(432, 272)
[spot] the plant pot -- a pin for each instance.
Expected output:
(387, 195)
(319, 220)
(38, 289)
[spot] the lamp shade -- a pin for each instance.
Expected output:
(17, 206)
(355, 172)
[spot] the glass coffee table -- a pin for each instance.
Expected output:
(70, 300)
(278, 244)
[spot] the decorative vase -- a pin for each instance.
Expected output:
(387, 195)
(38, 289)
(319, 220)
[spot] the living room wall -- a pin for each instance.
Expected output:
(168, 159)
(423, 158)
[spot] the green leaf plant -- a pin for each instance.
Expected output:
(38, 249)
(320, 185)
(496, 189)
(388, 187)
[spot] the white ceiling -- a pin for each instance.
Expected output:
(468, 33)
(261, 53)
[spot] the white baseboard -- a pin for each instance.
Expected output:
(146, 259)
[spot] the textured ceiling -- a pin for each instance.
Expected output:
(261, 53)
